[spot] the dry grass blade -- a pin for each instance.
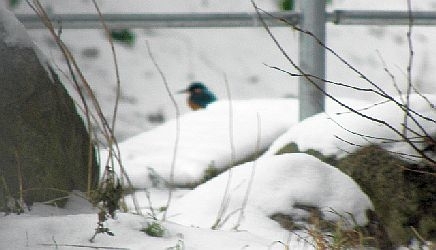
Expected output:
(176, 143)
(20, 175)
(226, 197)
(83, 88)
(114, 57)
(253, 172)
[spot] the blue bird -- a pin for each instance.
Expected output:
(199, 96)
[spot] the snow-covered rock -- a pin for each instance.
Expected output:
(205, 140)
(281, 183)
(320, 132)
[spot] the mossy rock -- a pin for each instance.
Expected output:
(402, 199)
(44, 144)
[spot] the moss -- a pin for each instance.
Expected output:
(293, 148)
(154, 229)
(46, 143)
(402, 199)
(289, 148)
(210, 172)
(287, 5)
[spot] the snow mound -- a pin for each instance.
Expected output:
(280, 183)
(205, 139)
(320, 132)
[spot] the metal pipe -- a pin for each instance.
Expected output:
(179, 20)
(312, 58)
(225, 20)
(365, 17)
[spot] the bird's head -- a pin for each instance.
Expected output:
(195, 88)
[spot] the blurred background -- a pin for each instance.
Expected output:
(240, 54)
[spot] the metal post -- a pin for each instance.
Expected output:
(312, 57)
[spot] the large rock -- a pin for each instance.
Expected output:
(44, 145)
(403, 198)
(404, 195)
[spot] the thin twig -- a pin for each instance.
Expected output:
(114, 58)
(345, 62)
(226, 197)
(20, 175)
(409, 67)
(326, 81)
(364, 108)
(394, 81)
(118, 86)
(176, 143)
(408, 157)
(117, 75)
(82, 246)
(85, 109)
(75, 71)
(373, 119)
(40, 11)
(417, 171)
(253, 172)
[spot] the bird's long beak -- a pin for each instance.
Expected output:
(182, 91)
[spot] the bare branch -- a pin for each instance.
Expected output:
(409, 67)
(394, 82)
(324, 80)
(373, 119)
(334, 53)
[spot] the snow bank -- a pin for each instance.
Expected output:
(280, 183)
(205, 139)
(319, 132)
(13, 32)
(65, 229)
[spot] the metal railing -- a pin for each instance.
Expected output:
(311, 56)
(225, 20)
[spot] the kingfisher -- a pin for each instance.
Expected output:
(199, 96)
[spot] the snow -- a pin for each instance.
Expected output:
(32, 232)
(205, 139)
(320, 132)
(13, 32)
(280, 183)
(191, 54)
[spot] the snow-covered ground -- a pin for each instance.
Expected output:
(273, 190)
(278, 182)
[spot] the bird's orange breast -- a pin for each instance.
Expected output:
(193, 106)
